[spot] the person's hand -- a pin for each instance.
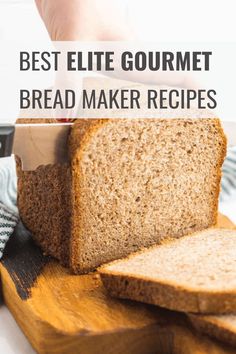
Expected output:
(98, 20)
(90, 20)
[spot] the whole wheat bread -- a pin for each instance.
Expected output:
(129, 183)
(222, 327)
(196, 273)
(186, 341)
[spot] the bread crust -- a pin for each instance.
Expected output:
(80, 136)
(223, 155)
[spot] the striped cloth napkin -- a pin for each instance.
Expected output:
(8, 200)
(228, 185)
(8, 221)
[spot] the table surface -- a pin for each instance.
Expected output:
(13, 341)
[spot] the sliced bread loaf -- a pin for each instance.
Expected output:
(196, 273)
(129, 183)
(222, 327)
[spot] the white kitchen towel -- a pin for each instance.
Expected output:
(8, 183)
(8, 221)
(229, 175)
(8, 200)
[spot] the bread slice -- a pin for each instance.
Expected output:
(222, 327)
(129, 183)
(186, 341)
(196, 273)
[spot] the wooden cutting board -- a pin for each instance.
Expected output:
(64, 313)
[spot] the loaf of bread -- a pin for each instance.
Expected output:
(129, 184)
(196, 273)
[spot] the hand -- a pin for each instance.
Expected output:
(90, 20)
(98, 20)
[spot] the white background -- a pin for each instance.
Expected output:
(167, 21)
(181, 21)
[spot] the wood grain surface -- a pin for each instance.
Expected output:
(64, 313)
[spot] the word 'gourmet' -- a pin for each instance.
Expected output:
(105, 61)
